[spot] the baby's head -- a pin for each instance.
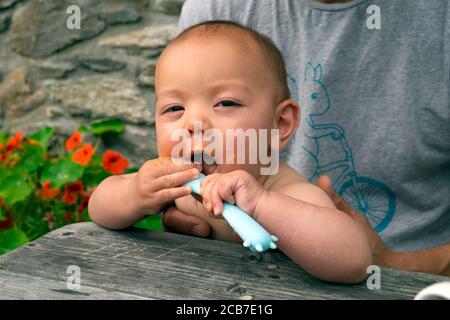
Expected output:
(217, 77)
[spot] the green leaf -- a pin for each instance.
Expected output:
(61, 172)
(14, 188)
(32, 158)
(94, 175)
(153, 222)
(108, 126)
(3, 137)
(42, 136)
(82, 128)
(11, 239)
(3, 216)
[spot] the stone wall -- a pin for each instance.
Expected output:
(50, 75)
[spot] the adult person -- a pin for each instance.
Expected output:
(372, 80)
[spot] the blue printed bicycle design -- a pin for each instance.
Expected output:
(369, 196)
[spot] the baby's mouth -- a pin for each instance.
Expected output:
(207, 161)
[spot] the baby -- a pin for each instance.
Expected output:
(221, 76)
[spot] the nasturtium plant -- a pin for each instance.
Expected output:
(46, 182)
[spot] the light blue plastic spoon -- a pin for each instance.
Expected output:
(255, 237)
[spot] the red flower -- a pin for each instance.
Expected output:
(83, 204)
(47, 193)
(14, 141)
(4, 156)
(1, 147)
(84, 154)
(75, 187)
(114, 162)
(69, 198)
(74, 141)
(71, 192)
(8, 223)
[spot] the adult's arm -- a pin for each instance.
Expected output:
(435, 260)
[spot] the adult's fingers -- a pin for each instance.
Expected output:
(324, 182)
(178, 221)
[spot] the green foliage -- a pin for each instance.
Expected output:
(42, 136)
(108, 126)
(153, 222)
(11, 238)
(14, 188)
(45, 183)
(61, 172)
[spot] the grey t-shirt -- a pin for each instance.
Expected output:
(375, 103)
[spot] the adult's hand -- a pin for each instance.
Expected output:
(177, 221)
(381, 254)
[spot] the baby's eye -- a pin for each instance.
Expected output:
(228, 103)
(314, 96)
(173, 109)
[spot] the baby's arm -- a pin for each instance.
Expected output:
(312, 232)
(120, 201)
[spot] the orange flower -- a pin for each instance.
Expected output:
(84, 154)
(14, 141)
(1, 147)
(47, 193)
(114, 162)
(71, 192)
(32, 142)
(74, 141)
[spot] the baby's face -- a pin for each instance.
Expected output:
(214, 82)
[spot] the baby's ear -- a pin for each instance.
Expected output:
(287, 117)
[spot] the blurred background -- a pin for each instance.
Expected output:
(97, 81)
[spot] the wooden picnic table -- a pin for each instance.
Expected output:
(140, 264)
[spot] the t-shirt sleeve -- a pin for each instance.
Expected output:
(196, 11)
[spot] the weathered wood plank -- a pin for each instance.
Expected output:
(136, 263)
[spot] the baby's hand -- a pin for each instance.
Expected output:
(157, 183)
(237, 187)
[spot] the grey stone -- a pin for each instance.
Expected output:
(5, 21)
(39, 28)
(51, 70)
(6, 4)
(54, 112)
(146, 74)
(101, 97)
(150, 37)
(122, 16)
(17, 96)
(14, 85)
(138, 143)
(101, 64)
(169, 6)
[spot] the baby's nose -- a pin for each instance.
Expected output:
(197, 122)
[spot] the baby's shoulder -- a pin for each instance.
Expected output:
(286, 175)
(289, 182)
